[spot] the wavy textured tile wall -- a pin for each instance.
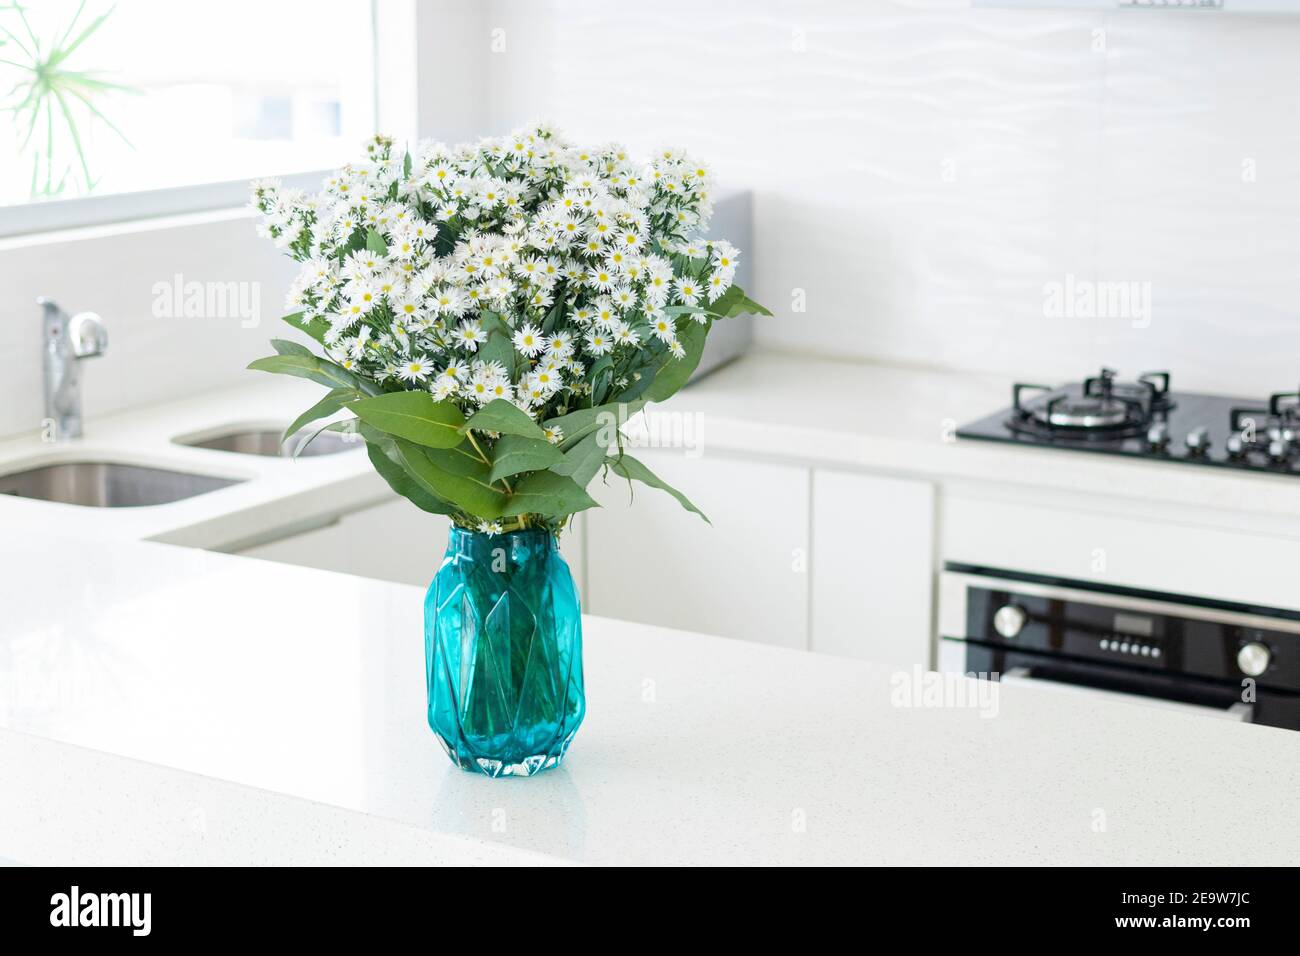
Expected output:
(923, 169)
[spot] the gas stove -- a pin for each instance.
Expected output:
(1144, 418)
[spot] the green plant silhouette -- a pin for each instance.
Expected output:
(48, 97)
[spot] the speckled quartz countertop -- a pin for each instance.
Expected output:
(162, 704)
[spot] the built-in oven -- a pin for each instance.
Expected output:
(1234, 661)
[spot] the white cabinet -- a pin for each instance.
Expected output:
(834, 561)
(872, 567)
(746, 576)
(392, 541)
(325, 548)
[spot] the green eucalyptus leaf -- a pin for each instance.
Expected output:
(734, 302)
(347, 427)
(632, 469)
(309, 367)
(355, 243)
(314, 328)
(414, 416)
(582, 461)
(387, 461)
(546, 493)
(576, 426)
(498, 346)
(671, 373)
(505, 417)
(454, 475)
(513, 454)
(333, 401)
(554, 316)
(601, 374)
(285, 347)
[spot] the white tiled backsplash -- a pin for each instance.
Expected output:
(922, 170)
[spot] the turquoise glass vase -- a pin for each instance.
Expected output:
(503, 651)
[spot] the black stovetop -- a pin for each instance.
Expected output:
(1146, 420)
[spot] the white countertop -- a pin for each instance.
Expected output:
(812, 410)
(164, 703)
(884, 418)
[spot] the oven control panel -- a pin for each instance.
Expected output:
(1168, 634)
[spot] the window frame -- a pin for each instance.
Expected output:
(57, 215)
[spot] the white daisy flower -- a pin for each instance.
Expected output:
(688, 291)
(718, 283)
(470, 335)
(417, 369)
(559, 345)
(528, 340)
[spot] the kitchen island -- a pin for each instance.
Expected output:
(168, 705)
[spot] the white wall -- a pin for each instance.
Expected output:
(922, 169)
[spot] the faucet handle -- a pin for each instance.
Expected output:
(49, 308)
(87, 335)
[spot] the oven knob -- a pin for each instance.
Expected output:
(1236, 447)
(1198, 441)
(1158, 436)
(1254, 658)
(1009, 620)
(1278, 450)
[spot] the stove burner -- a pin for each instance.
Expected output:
(1082, 412)
(1100, 407)
(1270, 431)
(1143, 419)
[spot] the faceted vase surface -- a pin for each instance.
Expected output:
(503, 652)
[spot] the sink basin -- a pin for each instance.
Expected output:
(266, 441)
(100, 484)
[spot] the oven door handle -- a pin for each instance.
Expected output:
(1024, 676)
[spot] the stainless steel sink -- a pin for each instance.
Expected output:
(266, 441)
(100, 484)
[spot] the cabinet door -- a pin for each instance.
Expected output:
(872, 567)
(396, 541)
(325, 548)
(744, 576)
(392, 541)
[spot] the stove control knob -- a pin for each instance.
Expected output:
(1254, 658)
(1235, 446)
(1198, 441)
(1010, 620)
(1278, 449)
(1158, 436)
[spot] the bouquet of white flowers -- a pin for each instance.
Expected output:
(485, 312)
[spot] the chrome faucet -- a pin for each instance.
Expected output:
(64, 341)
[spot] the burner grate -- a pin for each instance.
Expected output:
(1101, 407)
(1144, 419)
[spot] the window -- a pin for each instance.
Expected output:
(152, 95)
